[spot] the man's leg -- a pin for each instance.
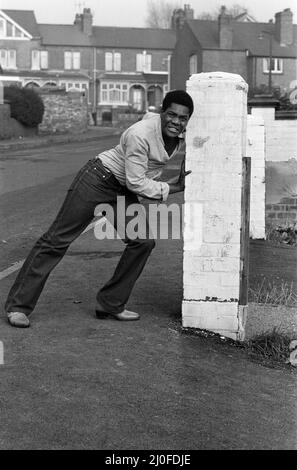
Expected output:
(86, 191)
(115, 294)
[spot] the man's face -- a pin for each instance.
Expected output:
(174, 120)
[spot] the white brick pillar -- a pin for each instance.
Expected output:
(215, 146)
(256, 150)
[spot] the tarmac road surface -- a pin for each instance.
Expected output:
(71, 381)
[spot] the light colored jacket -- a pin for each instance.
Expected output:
(140, 158)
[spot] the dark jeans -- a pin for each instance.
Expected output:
(93, 185)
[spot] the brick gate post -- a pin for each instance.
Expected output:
(215, 148)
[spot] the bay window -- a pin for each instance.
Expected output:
(112, 93)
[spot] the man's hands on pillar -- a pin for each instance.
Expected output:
(179, 185)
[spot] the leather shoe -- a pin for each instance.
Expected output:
(18, 319)
(125, 315)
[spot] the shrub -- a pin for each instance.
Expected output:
(26, 106)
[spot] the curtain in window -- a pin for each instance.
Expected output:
(108, 61)
(44, 59)
(35, 60)
(67, 60)
(76, 60)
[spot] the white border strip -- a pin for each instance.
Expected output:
(12, 269)
(16, 266)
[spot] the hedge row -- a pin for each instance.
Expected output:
(26, 106)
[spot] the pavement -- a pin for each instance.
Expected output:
(91, 134)
(72, 381)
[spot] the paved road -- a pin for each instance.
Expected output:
(73, 382)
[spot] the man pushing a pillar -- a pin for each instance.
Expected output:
(128, 170)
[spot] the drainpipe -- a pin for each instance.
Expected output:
(94, 113)
(169, 71)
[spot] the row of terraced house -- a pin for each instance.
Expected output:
(133, 68)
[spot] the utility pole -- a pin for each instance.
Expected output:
(270, 35)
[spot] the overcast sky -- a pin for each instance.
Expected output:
(133, 12)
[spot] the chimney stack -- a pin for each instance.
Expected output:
(78, 20)
(180, 15)
(284, 27)
(225, 29)
(84, 21)
(189, 12)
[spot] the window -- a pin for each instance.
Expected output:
(43, 59)
(8, 58)
(139, 59)
(193, 64)
(67, 60)
(275, 64)
(3, 58)
(35, 65)
(147, 67)
(11, 59)
(81, 86)
(71, 60)
(143, 62)
(117, 62)
(104, 92)
(113, 61)
(2, 28)
(9, 30)
(108, 61)
(76, 60)
(114, 92)
(39, 60)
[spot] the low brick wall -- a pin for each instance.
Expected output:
(282, 213)
(64, 112)
(281, 143)
(10, 128)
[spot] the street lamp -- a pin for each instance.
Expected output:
(168, 60)
(270, 57)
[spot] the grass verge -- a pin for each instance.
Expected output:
(270, 349)
(270, 346)
(280, 293)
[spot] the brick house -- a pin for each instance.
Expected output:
(132, 66)
(38, 55)
(241, 47)
(118, 68)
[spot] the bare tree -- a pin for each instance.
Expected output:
(234, 10)
(159, 13)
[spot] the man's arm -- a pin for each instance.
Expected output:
(179, 185)
(136, 164)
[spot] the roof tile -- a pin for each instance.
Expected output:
(26, 19)
(245, 36)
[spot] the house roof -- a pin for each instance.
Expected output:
(26, 19)
(108, 36)
(245, 16)
(140, 38)
(245, 36)
(63, 35)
